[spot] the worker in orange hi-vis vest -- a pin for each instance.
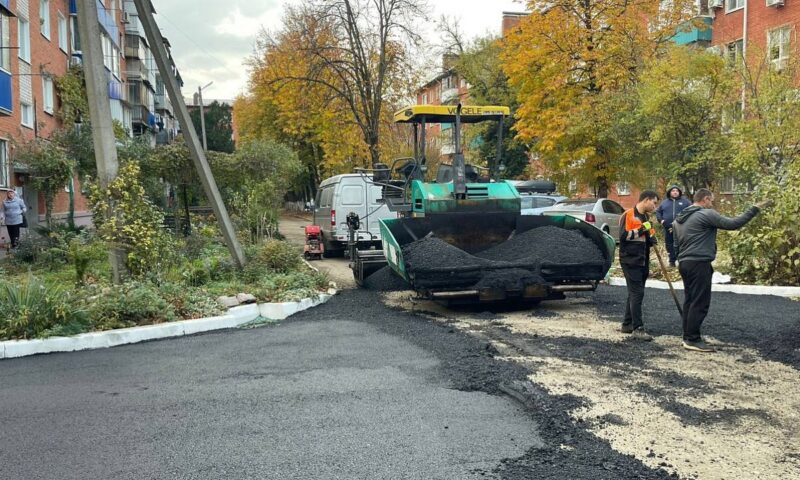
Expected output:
(636, 236)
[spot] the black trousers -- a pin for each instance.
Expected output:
(13, 234)
(635, 278)
(697, 296)
(669, 240)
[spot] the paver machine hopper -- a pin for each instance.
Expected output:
(472, 213)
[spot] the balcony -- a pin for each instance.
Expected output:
(6, 97)
(137, 70)
(449, 95)
(142, 116)
(697, 30)
(162, 102)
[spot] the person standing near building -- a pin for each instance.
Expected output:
(636, 236)
(666, 213)
(695, 232)
(13, 210)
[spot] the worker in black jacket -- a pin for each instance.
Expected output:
(636, 236)
(696, 241)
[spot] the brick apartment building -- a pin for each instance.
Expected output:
(39, 41)
(446, 88)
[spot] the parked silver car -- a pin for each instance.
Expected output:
(600, 212)
(535, 204)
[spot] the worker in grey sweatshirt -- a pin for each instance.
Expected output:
(695, 232)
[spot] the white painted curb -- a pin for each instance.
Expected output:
(234, 317)
(743, 289)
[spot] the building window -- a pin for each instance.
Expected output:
(734, 5)
(424, 98)
(778, 41)
(731, 184)
(47, 96)
(5, 44)
(26, 112)
(733, 52)
(4, 174)
(62, 32)
(75, 39)
(24, 33)
(44, 17)
(623, 188)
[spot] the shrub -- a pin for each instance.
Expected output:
(189, 302)
(291, 286)
(31, 308)
(129, 304)
(279, 256)
(767, 250)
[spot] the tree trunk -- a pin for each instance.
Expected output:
(48, 205)
(71, 214)
(602, 187)
(187, 221)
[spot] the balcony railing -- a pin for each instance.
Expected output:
(694, 31)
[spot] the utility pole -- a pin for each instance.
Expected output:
(153, 34)
(105, 147)
(203, 114)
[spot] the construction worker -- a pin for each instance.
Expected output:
(670, 208)
(695, 232)
(636, 236)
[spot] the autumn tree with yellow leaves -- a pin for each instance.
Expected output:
(568, 60)
(329, 81)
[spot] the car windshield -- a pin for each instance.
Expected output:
(575, 205)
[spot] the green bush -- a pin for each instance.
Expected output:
(293, 286)
(279, 256)
(31, 308)
(128, 305)
(767, 250)
(190, 302)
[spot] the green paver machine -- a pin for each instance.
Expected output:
(466, 210)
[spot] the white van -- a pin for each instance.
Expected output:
(336, 198)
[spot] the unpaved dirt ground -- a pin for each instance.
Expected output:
(338, 269)
(732, 414)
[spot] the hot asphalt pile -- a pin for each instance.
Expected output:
(511, 265)
(546, 244)
(385, 280)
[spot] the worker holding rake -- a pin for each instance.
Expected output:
(636, 237)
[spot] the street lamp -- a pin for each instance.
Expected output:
(203, 113)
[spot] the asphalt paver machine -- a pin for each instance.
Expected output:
(471, 212)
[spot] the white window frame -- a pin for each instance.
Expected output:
(5, 174)
(5, 44)
(48, 95)
(784, 45)
(734, 51)
(733, 5)
(23, 108)
(44, 18)
(63, 33)
(623, 188)
(24, 39)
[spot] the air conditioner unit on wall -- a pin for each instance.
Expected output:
(75, 61)
(775, 3)
(716, 3)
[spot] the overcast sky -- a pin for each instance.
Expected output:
(211, 38)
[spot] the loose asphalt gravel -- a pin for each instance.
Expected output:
(551, 244)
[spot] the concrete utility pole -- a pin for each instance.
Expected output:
(105, 147)
(203, 114)
(153, 34)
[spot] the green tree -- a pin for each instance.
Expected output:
(480, 64)
(50, 169)
(682, 101)
(767, 146)
(567, 60)
(219, 126)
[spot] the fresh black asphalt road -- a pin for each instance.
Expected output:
(348, 390)
(328, 394)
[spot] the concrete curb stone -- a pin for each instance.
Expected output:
(741, 289)
(233, 318)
